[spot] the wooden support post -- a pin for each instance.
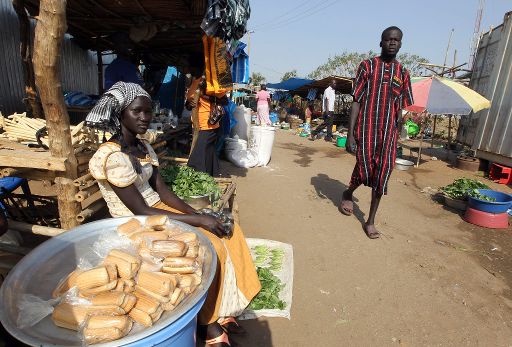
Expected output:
(49, 35)
(433, 131)
(449, 131)
(31, 101)
(100, 71)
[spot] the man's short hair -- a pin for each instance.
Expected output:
(391, 28)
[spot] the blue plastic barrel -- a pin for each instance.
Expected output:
(181, 333)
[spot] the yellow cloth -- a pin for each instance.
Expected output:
(217, 69)
(246, 277)
(111, 167)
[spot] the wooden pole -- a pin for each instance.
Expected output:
(34, 229)
(449, 131)
(31, 101)
(100, 71)
(433, 131)
(49, 35)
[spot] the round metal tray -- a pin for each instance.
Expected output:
(39, 272)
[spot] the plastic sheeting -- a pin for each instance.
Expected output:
(290, 84)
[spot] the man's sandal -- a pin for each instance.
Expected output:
(230, 325)
(219, 341)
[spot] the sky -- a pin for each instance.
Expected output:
(303, 34)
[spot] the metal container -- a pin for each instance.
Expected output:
(488, 131)
(456, 204)
(402, 164)
(39, 272)
(198, 202)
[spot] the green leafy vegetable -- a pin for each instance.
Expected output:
(461, 188)
(186, 182)
(268, 297)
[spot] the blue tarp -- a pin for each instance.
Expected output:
(240, 66)
(291, 84)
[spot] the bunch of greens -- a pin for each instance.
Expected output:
(268, 258)
(268, 297)
(262, 253)
(186, 182)
(461, 188)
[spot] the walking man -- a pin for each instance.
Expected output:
(328, 110)
(381, 90)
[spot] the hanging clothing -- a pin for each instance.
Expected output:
(226, 19)
(240, 66)
(382, 89)
(217, 68)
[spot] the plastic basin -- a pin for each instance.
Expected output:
(39, 272)
(501, 205)
(486, 219)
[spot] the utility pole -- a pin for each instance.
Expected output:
(446, 54)
(476, 33)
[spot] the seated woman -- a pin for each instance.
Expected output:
(126, 169)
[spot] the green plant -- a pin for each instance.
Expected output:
(268, 297)
(461, 188)
(186, 182)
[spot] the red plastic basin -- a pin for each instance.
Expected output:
(486, 219)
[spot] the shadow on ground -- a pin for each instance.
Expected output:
(228, 169)
(304, 153)
(329, 188)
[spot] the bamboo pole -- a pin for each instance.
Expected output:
(433, 131)
(159, 144)
(49, 35)
(89, 211)
(175, 159)
(34, 229)
(92, 199)
(80, 181)
(9, 171)
(84, 194)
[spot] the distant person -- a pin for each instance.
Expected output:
(382, 88)
(328, 112)
(122, 68)
(308, 112)
(263, 106)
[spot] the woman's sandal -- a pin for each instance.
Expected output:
(230, 325)
(219, 341)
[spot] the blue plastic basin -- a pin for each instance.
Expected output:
(501, 205)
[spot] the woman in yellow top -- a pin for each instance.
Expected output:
(126, 169)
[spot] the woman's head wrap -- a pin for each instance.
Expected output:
(106, 114)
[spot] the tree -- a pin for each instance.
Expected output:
(288, 75)
(257, 79)
(345, 64)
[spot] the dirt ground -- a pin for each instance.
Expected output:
(431, 280)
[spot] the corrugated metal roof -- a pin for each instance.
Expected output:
(492, 78)
(78, 66)
(11, 84)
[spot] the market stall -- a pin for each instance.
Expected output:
(171, 42)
